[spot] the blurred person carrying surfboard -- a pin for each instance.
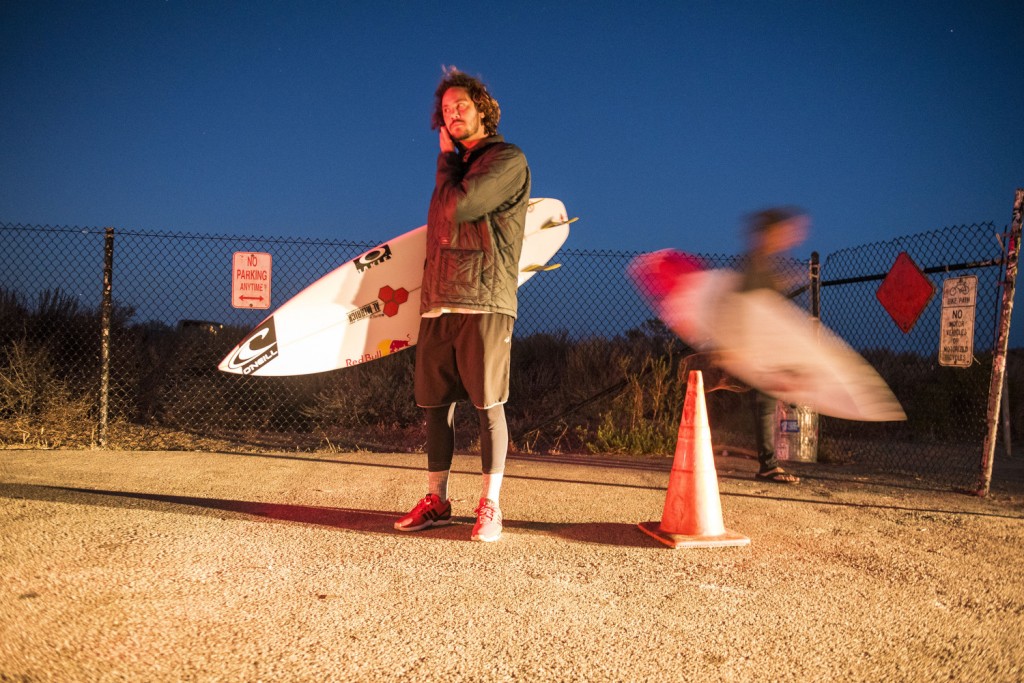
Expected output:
(746, 327)
(770, 233)
(468, 300)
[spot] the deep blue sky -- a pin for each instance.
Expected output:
(659, 123)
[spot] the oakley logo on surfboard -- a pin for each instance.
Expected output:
(256, 351)
(373, 257)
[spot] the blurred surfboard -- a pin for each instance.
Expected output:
(368, 308)
(762, 338)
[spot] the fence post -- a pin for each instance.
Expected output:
(995, 390)
(815, 276)
(106, 311)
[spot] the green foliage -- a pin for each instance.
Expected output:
(644, 418)
(618, 395)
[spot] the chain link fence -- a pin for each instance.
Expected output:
(946, 404)
(592, 368)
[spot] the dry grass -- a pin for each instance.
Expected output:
(621, 396)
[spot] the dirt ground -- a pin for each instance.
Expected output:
(184, 566)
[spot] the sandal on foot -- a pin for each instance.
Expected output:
(777, 475)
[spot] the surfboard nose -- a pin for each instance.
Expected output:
(656, 274)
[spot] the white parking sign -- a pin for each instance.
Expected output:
(956, 342)
(250, 279)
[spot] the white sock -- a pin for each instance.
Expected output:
(437, 483)
(492, 486)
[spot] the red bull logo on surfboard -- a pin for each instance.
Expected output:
(385, 347)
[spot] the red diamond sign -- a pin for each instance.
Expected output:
(905, 292)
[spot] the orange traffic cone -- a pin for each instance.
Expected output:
(693, 512)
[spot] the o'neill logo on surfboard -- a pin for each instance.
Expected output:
(373, 257)
(256, 351)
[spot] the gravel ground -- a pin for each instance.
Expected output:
(181, 566)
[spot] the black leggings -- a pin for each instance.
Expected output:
(441, 438)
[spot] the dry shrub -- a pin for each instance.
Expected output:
(36, 407)
(371, 394)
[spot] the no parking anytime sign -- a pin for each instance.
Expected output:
(250, 279)
(956, 342)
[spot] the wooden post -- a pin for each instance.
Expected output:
(106, 311)
(995, 390)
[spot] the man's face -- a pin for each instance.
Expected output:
(785, 235)
(461, 118)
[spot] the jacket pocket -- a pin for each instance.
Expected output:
(462, 267)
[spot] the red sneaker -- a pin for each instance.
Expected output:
(488, 521)
(431, 511)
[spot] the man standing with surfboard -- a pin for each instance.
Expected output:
(468, 300)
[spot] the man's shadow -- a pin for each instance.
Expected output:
(350, 519)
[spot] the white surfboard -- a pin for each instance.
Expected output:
(763, 339)
(368, 308)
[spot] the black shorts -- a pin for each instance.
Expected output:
(463, 355)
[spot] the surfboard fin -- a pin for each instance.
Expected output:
(553, 223)
(541, 268)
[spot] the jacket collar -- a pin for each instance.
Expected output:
(484, 144)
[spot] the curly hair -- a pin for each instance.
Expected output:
(485, 104)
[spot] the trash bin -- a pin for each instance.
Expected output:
(796, 433)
